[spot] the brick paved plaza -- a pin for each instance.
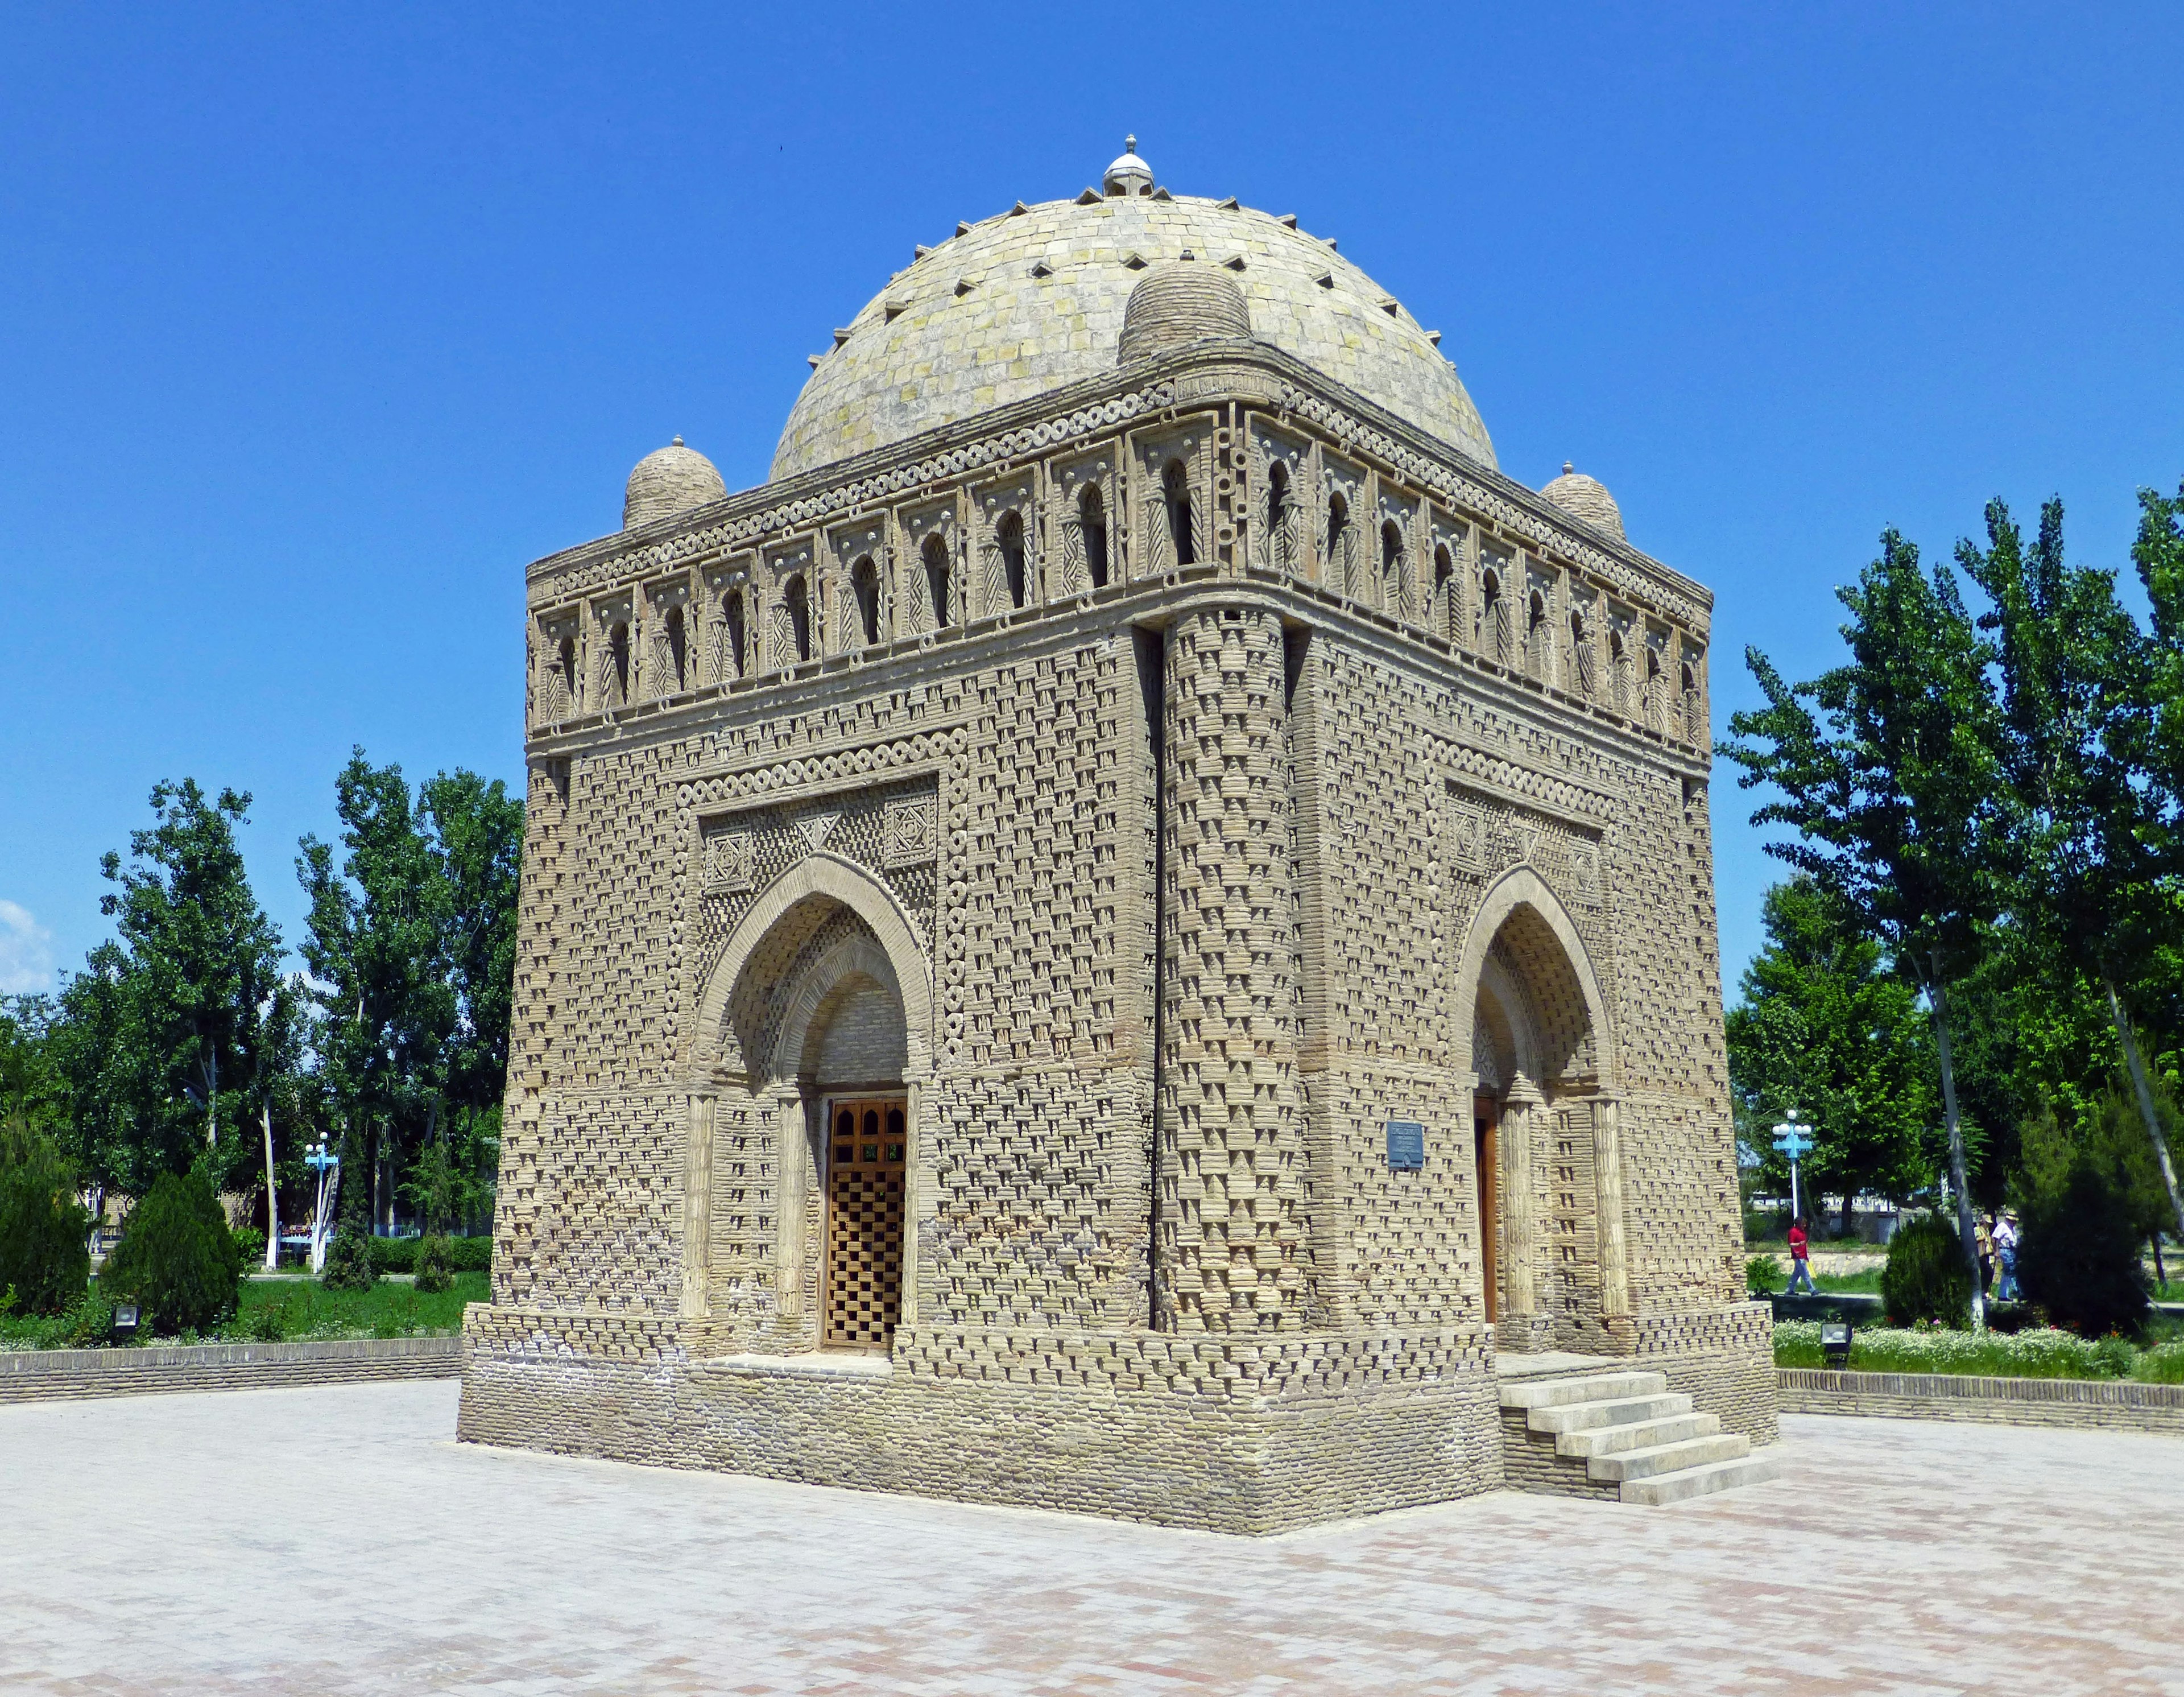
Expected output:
(334, 1540)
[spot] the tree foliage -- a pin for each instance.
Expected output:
(2091, 843)
(44, 1260)
(163, 1038)
(1887, 769)
(177, 1259)
(2078, 1258)
(1824, 1028)
(410, 943)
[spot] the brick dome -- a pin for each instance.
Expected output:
(1586, 500)
(669, 480)
(1037, 297)
(1175, 305)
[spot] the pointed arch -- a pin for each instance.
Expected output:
(1522, 895)
(827, 876)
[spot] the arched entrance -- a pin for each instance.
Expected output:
(813, 1039)
(1547, 1167)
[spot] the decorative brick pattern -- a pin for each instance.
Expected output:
(1155, 902)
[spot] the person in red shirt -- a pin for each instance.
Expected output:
(1801, 1272)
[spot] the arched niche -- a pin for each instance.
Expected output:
(822, 989)
(1534, 1039)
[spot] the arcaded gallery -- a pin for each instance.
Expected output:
(1132, 932)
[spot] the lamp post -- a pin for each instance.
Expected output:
(328, 1167)
(1794, 1140)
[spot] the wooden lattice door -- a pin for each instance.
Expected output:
(866, 1167)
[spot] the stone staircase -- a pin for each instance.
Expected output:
(1581, 1425)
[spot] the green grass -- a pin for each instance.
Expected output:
(306, 1309)
(2040, 1353)
(1866, 1283)
(272, 1310)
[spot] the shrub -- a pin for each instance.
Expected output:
(1926, 1277)
(88, 1322)
(394, 1255)
(433, 1274)
(250, 1244)
(399, 1255)
(2162, 1365)
(176, 1260)
(2078, 1258)
(44, 1251)
(1764, 1275)
(268, 1323)
(349, 1265)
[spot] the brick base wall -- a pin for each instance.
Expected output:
(1238, 1432)
(61, 1375)
(1228, 1433)
(2115, 1405)
(1722, 1359)
(1529, 1463)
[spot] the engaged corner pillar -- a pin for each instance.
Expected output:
(1522, 1107)
(1608, 1180)
(698, 1210)
(1232, 1135)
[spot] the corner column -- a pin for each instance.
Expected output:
(1232, 1156)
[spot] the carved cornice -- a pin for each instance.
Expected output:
(1208, 374)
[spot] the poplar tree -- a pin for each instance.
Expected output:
(1826, 1029)
(175, 1007)
(1895, 789)
(2093, 845)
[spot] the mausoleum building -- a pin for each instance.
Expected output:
(1133, 932)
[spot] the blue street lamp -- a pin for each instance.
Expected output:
(1794, 1140)
(328, 1167)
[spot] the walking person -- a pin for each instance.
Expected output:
(1983, 1234)
(1800, 1271)
(2005, 1255)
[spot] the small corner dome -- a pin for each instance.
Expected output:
(667, 481)
(1128, 174)
(1586, 500)
(1175, 305)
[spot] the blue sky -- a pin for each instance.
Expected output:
(317, 323)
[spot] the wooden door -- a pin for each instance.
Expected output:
(1486, 1151)
(865, 1166)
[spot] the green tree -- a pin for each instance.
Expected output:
(2078, 722)
(109, 1089)
(1822, 1026)
(157, 1039)
(32, 1089)
(1897, 800)
(44, 1260)
(412, 943)
(376, 946)
(177, 1257)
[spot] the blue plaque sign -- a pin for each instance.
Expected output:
(1406, 1146)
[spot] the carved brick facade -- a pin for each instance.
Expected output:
(1156, 847)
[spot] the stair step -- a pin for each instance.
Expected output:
(1644, 1434)
(1669, 1458)
(1615, 1411)
(1664, 1489)
(1580, 1388)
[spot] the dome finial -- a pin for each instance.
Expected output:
(1128, 174)
(1568, 467)
(677, 443)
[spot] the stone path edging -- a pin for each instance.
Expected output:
(2118, 1404)
(57, 1374)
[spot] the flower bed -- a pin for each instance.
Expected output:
(2041, 1353)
